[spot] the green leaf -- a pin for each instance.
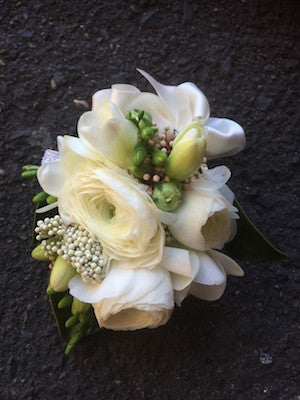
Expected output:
(249, 243)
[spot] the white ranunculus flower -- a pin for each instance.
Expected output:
(206, 218)
(129, 299)
(108, 203)
(175, 107)
(116, 209)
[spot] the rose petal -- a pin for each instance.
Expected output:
(224, 137)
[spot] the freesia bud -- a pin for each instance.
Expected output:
(65, 302)
(139, 171)
(40, 197)
(30, 167)
(187, 153)
(39, 254)
(145, 120)
(159, 158)
(29, 174)
(72, 321)
(51, 199)
(135, 115)
(167, 196)
(148, 132)
(140, 153)
(50, 290)
(62, 272)
(79, 307)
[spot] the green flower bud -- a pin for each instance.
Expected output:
(167, 195)
(148, 132)
(29, 174)
(84, 317)
(159, 158)
(145, 121)
(140, 170)
(140, 153)
(40, 197)
(39, 254)
(62, 272)
(30, 167)
(65, 302)
(50, 290)
(187, 153)
(79, 307)
(74, 340)
(135, 115)
(51, 199)
(72, 321)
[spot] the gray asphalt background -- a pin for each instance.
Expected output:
(243, 55)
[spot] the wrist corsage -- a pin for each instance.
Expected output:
(131, 219)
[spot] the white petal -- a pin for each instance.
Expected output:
(117, 282)
(208, 293)
(77, 148)
(224, 137)
(230, 266)
(209, 272)
(185, 101)
(112, 136)
(182, 263)
(47, 208)
(50, 156)
(192, 215)
(210, 281)
(218, 175)
(51, 177)
(227, 193)
(98, 98)
(122, 94)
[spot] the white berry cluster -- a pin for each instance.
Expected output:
(75, 244)
(50, 227)
(84, 252)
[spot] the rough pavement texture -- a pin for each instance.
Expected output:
(242, 54)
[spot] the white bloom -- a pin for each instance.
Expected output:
(108, 203)
(105, 130)
(177, 107)
(206, 219)
(129, 299)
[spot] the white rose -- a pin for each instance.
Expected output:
(206, 219)
(175, 107)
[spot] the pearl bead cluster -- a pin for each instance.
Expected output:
(75, 244)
